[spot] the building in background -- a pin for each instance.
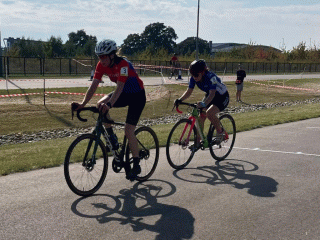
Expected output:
(8, 42)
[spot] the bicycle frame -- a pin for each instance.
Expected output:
(100, 130)
(194, 118)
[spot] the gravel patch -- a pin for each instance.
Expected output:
(72, 132)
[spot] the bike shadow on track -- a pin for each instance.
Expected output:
(233, 172)
(138, 206)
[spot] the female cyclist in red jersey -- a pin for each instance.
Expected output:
(129, 92)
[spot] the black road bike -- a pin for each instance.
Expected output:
(86, 161)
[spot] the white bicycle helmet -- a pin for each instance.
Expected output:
(105, 47)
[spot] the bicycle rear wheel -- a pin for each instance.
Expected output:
(148, 146)
(179, 148)
(221, 151)
(176, 74)
(85, 171)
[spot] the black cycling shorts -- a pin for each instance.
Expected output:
(135, 103)
(221, 101)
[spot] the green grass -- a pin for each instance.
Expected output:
(29, 115)
(50, 153)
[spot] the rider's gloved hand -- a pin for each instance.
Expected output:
(75, 106)
(201, 105)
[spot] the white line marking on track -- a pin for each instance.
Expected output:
(274, 151)
(314, 127)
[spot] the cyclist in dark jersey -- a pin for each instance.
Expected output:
(216, 98)
(129, 92)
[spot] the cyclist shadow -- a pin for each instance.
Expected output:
(22, 90)
(174, 222)
(234, 172)
(63, 120)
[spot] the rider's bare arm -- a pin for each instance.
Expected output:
(186, 94)
(91, 90)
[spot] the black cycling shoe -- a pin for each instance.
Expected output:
(135, 171)
(114, 141)
(194, 147)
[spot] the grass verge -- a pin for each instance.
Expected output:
(45, 154)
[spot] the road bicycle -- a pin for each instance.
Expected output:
(174, 72)
(86, 161)
(183, 140)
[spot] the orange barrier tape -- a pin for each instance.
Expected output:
(63, 93)
(154, 66)
(287, 87)
(19, 95)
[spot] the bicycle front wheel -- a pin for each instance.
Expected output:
(176, 74)
(85, 165)
(221, 151)
(180, 146)
(148, 146)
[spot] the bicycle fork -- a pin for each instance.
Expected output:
(89, 163)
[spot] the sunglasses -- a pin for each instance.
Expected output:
(102, 56)
(196, 75)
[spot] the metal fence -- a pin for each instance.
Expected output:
(15, 66)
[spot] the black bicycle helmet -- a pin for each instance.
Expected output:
(197, 66)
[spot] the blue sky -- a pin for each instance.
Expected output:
(281, 23)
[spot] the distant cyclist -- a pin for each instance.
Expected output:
(216, 98)
(129, 92)
(174, 62)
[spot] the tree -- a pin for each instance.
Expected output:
(156, 35)
(189, 45)
(80, 43)
(54, 47)
(132, 44)
(299, 52)
(160, 35)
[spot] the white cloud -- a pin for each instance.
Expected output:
(220, 21)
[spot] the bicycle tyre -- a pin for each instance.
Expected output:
(176, 74)
(221, 151)
(85, 180)
(178, 152)
(148, 145)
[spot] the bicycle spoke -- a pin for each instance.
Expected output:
(84, 174)
(148, 146)
(222, 150)
(179, 148)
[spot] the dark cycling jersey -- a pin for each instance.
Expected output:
(210, 81)
(241, 74)
(122, 71)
